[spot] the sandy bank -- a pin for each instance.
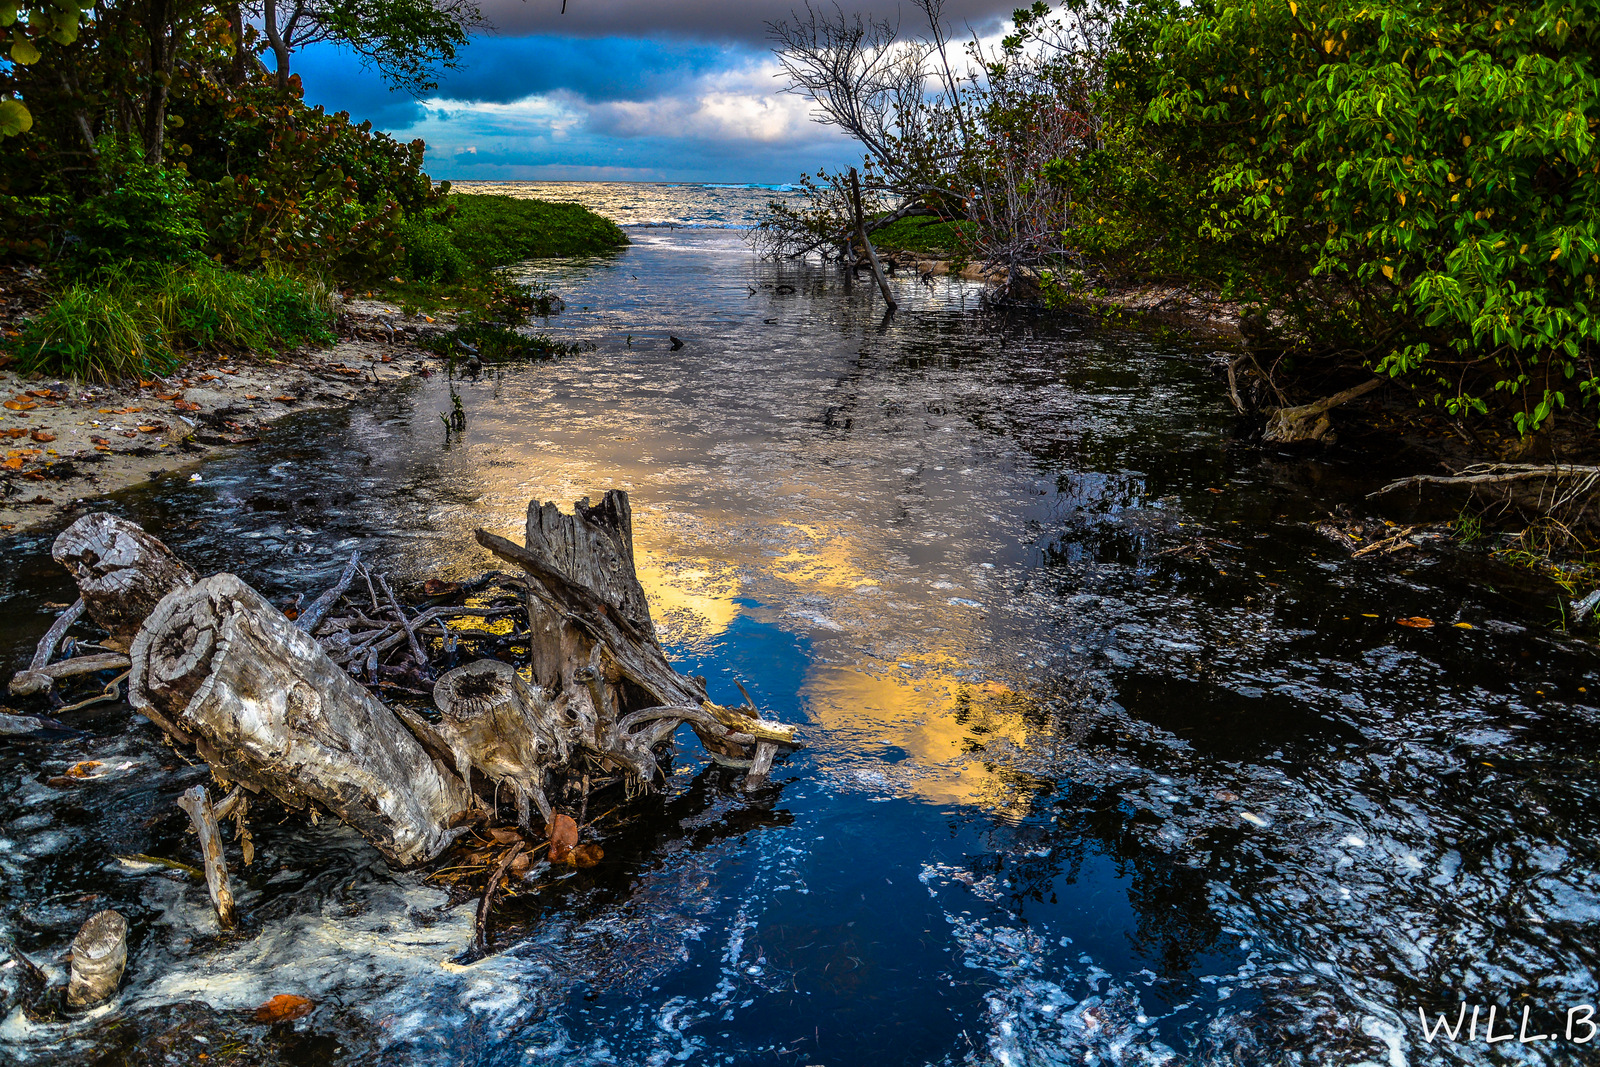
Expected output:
(62, 444)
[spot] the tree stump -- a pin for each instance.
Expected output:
(99, 954)
(122, 572)
(219, 667)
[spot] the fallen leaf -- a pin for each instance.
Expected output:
(41, 500)
(208, 377)
(252, 396)
(169, 396)
(440, 587)
(98, 441)
(128, 433)
(504, 836)
(155, 427)
(20, 405)
(1463, 625)
(587, 855)
(12, 462)
(144, 384)
(15, 431)
(287, 399)
(186, 405)
(43, 394)
(520, 865)
(44, 437)
(83, 769)
(563, 833)
(285, 1007)
(1416, 622)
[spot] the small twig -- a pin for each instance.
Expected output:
(110, 692)
(747, 698)
(310, 617)
(411, 636)
(52, 636)
(481, 935)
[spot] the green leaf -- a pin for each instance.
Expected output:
(14, 118)
(24, 52)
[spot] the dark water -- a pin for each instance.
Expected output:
(1111, 759)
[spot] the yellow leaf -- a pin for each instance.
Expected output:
(1388, 271)
(23, 52)
(1555, 255)
(1467, 141)
(1402, 199)
(1293, 9)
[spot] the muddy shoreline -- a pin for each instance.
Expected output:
(67, 444)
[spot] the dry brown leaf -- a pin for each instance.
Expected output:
(587, 855)
(169, 396)
(15, 431)
(563, 838)
(155, 427)
(285, 1007)
(98, 441)
(504, 836)
(1416, 622)
(83, 769)
(12, 462)
(287, 399)
(186, 405)
(20, 404)
(440, 587)
(44, 437)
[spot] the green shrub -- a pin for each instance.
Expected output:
(95, 333)
(431, 252)
(121, 324)
(494, 231)
(919, 234)
(146, 214)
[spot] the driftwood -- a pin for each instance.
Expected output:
(1310, 422)
(122, 572)
(99, 954)
(217, 666)
(1499, 473)
(197, 802)
(600, 671)
(43, 680)
(279, 708)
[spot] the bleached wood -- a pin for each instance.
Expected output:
(122, 572)
(267, 708)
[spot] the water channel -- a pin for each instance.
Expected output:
(1111, 758)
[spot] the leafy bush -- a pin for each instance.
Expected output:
(1412, 184)
(123, 324)
(919, 234)
(431, 252)
(147, 214)
(498, 230)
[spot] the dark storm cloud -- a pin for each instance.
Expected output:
(717, 20)
(502, 69)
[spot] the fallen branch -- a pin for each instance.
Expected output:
(52, 636)
(319, 607)
(1493, 474)
(197, 802)
(42, 680)
(99, 953)
(480, 939)
(1310, 422)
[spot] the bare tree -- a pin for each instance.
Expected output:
(965, 138)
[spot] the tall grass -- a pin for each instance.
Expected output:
(122, 324)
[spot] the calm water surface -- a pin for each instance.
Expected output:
(1111, 760)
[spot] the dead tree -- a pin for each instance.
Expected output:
(122, 572)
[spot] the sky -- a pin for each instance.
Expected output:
(622, 90)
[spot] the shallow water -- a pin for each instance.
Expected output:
(1111, 760)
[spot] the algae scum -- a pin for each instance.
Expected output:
(1112, 759)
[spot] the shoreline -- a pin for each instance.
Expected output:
(68, 444)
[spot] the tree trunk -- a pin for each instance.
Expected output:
(280, 48)
(866, 242)
(218, 666)
(161, 31)
(122, 572)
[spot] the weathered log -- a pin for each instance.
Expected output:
(122, 572)
(197, 802)
(34, 682)
(760, 767)
(219, 667)
(99, 954)
(1310, 422)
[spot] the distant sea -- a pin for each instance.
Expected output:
(676, 204)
